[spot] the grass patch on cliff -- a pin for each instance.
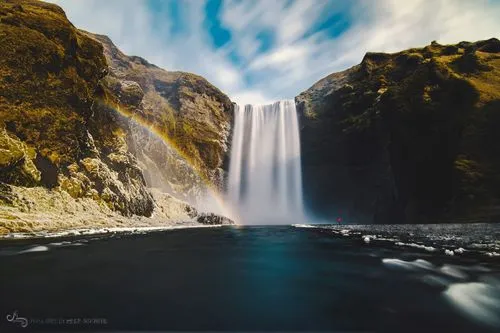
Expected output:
(49, 74)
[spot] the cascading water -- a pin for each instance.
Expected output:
(265, 180)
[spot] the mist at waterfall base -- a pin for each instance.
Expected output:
(265, 180)
(168, 171)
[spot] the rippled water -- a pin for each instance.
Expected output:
(474, 238)
(303, 278)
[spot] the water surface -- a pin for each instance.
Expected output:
(247, 278)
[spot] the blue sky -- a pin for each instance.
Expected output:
(264, 50)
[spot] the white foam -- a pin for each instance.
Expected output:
(423, 264)
(408, 265)
(417, 246)
(65, 243)
(449, 252)
(304, 226)
(479, 301)
(95, 231)
(453, 271)
(60, 243)
(397, 263)
(387, 239)
(38, 248)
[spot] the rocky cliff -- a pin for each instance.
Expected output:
(182, 107)
(80, 121)
(406, 137)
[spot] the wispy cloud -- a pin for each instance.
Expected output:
(259, 51)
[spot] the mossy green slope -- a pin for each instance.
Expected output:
(411, 136)
(49, 72)
(51, 76)
(60, 130)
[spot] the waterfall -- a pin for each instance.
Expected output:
(265, 180)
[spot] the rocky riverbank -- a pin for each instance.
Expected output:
(37, 210)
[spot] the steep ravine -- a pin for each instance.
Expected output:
(409, 137)
(74, 146)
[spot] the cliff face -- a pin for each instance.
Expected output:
(406, 137)
(50, 75)
(182, 108)
(62, 139)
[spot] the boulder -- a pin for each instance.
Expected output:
(213, 219)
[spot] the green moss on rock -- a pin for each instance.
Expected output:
(409, 136)
(50, 80)
(49, 73)
(16, 161)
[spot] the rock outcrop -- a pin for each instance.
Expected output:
(213, 219)
(76, 117)
(406, 137)
(51, 75)
(182, 108)
(17, 161)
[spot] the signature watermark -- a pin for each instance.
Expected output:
(24, 322)
(14, 318)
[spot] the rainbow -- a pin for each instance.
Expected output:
(212, 190)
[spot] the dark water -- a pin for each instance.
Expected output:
(245, 279)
